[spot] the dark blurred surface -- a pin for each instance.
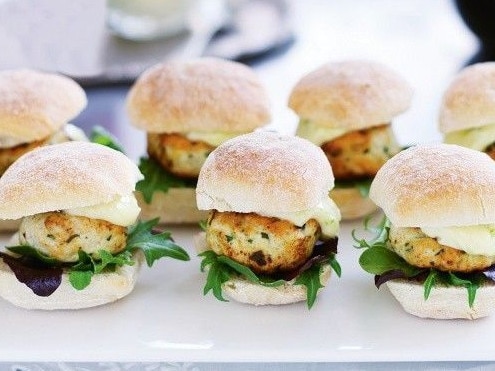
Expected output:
(246, 31)
(72, 37)
(479, 17)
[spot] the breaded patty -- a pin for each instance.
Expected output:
(9, 155)
(266, 245)
(425, 252)
(178, 154)
(61, 235)
(490, 150)
(361, 153)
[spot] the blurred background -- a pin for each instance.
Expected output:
(428, 42)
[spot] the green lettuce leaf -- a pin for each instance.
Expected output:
(385, 264)
(311, 279)
(101, 136)
(430, 281)
(80, 279)
(34, 254)
(379, 260)
(203, 224)
(140, 237)
(154, 245)
(158, 179)
(221, 268)
(379, 234)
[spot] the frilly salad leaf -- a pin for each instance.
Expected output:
(101, 136)
(156, 178)
(311, 279)
(221, 269)
(203, 224)
(153, 245)
(386, 265)
(43, 274)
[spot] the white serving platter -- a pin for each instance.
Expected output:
(167, 318)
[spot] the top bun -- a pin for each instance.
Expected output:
(34, 105)
(204, 94)
(64, 176)
(436, 185)
(351, 95)
(265, 173)
(469, 101)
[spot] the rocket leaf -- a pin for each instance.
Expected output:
(43, 274)
(156, 178)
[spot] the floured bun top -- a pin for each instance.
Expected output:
(64, 176)
(436, 185)
(351, 95)
(34, 105)
(469, 101)
(204, 94)
(265, 173)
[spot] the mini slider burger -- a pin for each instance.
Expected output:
(35, 108)
(436, 248)
(467, 111)
(188, 109)
(78, 243)
(346, 108)
(271, 235)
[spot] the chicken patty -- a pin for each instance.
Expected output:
(10, 154)
(178, 154)
(360, 154)
(422, 251)
(490, 151)
(61, 235)
(266, 245)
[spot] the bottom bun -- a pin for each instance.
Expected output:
(177, 206)
(10, 225)
(443, 302)
(244, 291)
(103, 289)
(351, 204)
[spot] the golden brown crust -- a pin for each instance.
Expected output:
(469, 102)
(33, 105)
(422, 251)
(266, 173)
(490, 151)
(361, 153)
(266, 245)
(65, 176)
(62, 236)
(197, 95)
(244, 291)
(177, 154)
(436, 185)
(9, 155)
(350, 94)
